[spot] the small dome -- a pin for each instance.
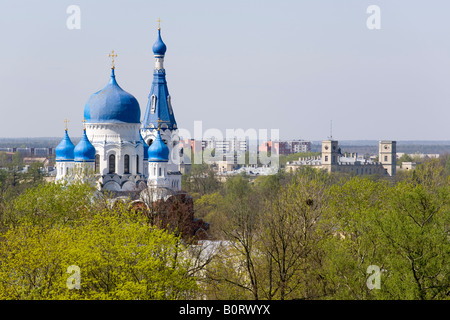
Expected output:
(159, 47)
(112, 104)
(84, 151)
(145, 146)
(158, 151)
(64, 150)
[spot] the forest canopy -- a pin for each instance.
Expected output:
(303, 235)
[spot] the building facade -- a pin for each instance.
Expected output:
(332, 160)
(285, 147)
(114, 142)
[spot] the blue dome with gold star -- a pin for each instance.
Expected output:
(112, 104)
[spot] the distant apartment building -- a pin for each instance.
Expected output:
(231, 146)
(42, 152)
(285, 147)
(225, 147)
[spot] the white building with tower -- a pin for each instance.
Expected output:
(333, 160)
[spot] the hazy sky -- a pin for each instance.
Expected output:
(288, 65)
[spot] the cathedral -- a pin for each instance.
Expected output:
(121, 152)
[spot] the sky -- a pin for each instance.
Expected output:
(292, 65)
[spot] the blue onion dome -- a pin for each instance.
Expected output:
(84, 151)
(159, 47)
(145, 146)
(64, 150)
(112, 105)
(158, 151)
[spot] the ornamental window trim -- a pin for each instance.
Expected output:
(153, 104)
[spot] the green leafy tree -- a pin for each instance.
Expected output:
(119, 256)
(404, 158)
(52, 203)
(402, 229)
(354, 246)
(290, 237)
(201, 180)
(239, 225)
(415, 233)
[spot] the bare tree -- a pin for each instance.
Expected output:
(291, 235)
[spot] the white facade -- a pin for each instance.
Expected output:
(119, 158)
(387, 156)
(64, 169)
(172, 141)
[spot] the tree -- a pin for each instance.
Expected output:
(201, 180)
(52, 203)
(119, 256)
(239, 225)
(404, 158)
(290, 237)
(355, 243)
(208, 208)
(415, 234)
(402, 229)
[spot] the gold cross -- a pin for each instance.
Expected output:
(159, 23)
(84, 123)
(66, 121)
(112, 55)
(159, 121)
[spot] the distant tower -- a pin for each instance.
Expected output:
(330, 153)
(388, 156)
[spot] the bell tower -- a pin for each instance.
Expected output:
(387, 155)
(159, 112)
(330, 152)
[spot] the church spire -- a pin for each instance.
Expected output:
(159, 106)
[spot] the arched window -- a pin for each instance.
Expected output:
(149, 142)
(153, 104)
(160, 172)
(137, 164)
(126, 164)
(112, 163)
(97, 163)
(169, 103)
